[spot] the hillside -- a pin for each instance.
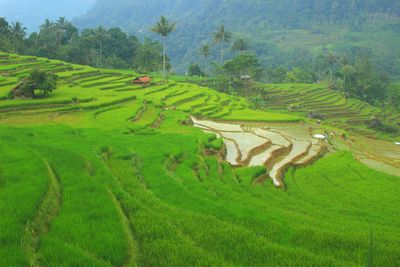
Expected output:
(107, 173)
(286, 33)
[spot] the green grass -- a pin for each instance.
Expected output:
(231, 222)
(99, 187)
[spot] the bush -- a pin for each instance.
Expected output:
(38, 80)
(213, 143)
(194, 70)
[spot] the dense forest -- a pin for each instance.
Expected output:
(289, 33)
(98, 47)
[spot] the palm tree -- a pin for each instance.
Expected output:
(99, 35)
(164, 27)
(222, 36)
(18, 32)
(347, 70)
(332, 60)
(240, 45)
(65, 31)
(205, 52)
(62, 22)
(60, 26)
(48, 38)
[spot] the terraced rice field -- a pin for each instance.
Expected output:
(104, 173)
(264, 146)
(86, 88)
(349, 114)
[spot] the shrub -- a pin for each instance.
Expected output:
(194, 70)
(37, 80)
(213, 143)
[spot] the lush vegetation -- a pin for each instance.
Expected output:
(353, 74)
(37, 80)
(225, 166)
(290, 33)
(106, 173)
(97, 47)
(357, 79)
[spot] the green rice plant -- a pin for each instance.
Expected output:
(93, 188)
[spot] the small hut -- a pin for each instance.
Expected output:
(142, 80)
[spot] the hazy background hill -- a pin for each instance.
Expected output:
(282, 32)
(32, 13)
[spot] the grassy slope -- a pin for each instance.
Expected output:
(136, 195)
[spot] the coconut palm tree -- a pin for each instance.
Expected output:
(48, 39)
(164, 27)
(18, 32)
(240, 45)
(99, 36)
(331, 59)
(59, 27)
(222, 36)
(205, 52)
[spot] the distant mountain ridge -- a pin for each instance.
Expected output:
(282, 32)
(292, 13)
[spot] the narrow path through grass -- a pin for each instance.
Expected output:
(46, 212)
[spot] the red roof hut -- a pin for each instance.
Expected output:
(142, 80)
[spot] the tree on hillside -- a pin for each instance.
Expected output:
(39, 80)
(195, 70)
(18, 33)
(278, 75)
(5, 43)
(66, 31)
(164, 27)
(320, 66)
(148, 56)
(331, 59)
(205, 52)
(100, 35)
(48, 39)
(300, 75)
(370, 85)
(348, 72)
(222, 36)
(242, 70)
(240, 45)
(4, 27)
(243, 65)
(394, 96)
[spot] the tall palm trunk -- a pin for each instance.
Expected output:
(205, 67)
(164, 59)
(15, 46)
(344, 86)
(205, 70)
(222, 51)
